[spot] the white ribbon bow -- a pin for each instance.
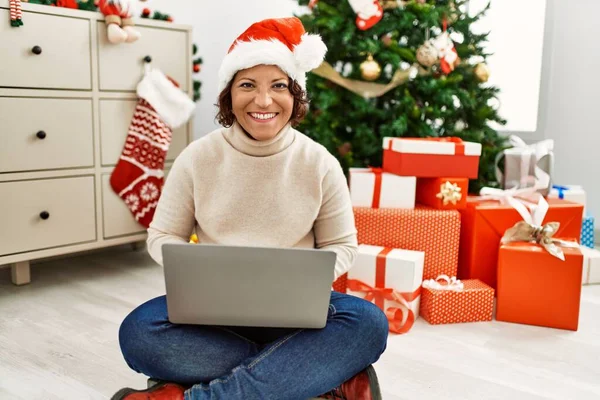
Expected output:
(540, 149)
(451, 284)
(523, 206)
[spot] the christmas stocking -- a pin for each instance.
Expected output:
(138, 177)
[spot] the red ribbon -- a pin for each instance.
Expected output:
(380, 293)
(377, 188)
(459, 145)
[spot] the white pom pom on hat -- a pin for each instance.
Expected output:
(282, 42)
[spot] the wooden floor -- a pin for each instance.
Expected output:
(58, 340)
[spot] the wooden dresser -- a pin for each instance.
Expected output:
(66, 100)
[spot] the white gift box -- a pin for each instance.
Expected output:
(400, 270)
(392, 191)
(573, 193)
(591, 266)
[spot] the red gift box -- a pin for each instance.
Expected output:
(537, 288)
(484, 222)
(443, 193)
(473, 301)
(435, 232)
(431, 157)
(340, 284)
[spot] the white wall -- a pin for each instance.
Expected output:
(216, 25)
(573, 104)
(516, 60)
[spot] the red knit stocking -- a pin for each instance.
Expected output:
(138, 176)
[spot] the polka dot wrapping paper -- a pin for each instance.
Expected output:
(474, 303)
(435, 232)
(339, 285)
(587, 232)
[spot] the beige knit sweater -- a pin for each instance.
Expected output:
(232, 190)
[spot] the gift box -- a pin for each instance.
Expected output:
(573, 193)
(484, 222)
(339, 285)
(431, 157)
(391, 278)
(371, 187)
(591, 266)
(538, 288)
(456, 301)
(435, 232)
(587, 232)
(443, 193)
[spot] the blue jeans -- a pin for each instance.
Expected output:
(255, 363)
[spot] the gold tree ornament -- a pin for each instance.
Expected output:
(370, 69)
(427, 54)
(482, 72)
(449, 193)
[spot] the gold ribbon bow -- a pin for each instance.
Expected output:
(449, 193)
(542, 235)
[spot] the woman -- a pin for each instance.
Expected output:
(258, 182)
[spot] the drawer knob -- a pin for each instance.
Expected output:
(148, 59)
(41, 135)
(44, 215)
(36, 50)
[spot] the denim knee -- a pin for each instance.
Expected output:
(375, 327)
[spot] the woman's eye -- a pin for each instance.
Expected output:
(246, 85)
(280, 86)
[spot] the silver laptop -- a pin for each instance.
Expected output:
(247, 286)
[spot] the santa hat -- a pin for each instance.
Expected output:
(282, 42)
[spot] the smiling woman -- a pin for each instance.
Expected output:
(262, 94)
(259, 182)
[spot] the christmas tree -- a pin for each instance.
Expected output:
(400, 69)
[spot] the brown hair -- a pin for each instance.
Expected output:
(227, 118)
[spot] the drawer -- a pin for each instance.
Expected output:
(64, 62)
(121, 65)
(68, 202)
(115, 118)
(41, 134)
(117, 218)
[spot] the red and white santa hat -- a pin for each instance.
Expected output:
(282, 42)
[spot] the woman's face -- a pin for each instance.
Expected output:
(261, 100)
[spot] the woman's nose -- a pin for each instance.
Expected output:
(263, 99)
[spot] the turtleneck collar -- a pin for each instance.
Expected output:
(238, 139)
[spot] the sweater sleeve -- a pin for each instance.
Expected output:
(174, 217)
(334, 227)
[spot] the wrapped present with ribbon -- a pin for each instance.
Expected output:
(341, 283)
(435, 232)
(431, 157)
(591, 266)
(443, 193)
(573, 193)
(390, 278)
(447, 300)
(526, 166)
(371, 187)
(539, 276)
(588, 232)
(487, 217)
